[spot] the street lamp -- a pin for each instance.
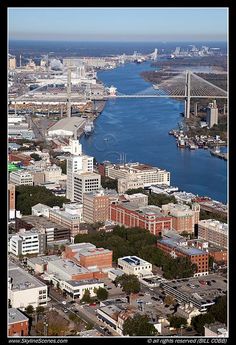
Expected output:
(45, 327)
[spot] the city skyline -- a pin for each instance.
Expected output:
(118, 24)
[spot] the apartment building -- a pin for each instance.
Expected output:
(96, 207)
(213, 231)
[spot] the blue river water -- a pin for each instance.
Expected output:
(138, 127)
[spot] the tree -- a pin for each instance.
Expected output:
(35, 156)
(169, 300)
(219, 309)
(199, 321)
(29, 309)
(40, 310)
(210, 262)
(28, 196)
(102, 294)
(138, 325)
(109, 183)
(177, 321)
(129, 283)
(86, 296)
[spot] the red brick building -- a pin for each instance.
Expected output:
(18, 323)
(88, 256)
(179, 248)
(147, 217)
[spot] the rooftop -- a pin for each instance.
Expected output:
(145, 210)
(15, 316)
(67, 124)
(83, 282)
(94, 251)
(68, 266)
(134, 261)
(217, 327)
(43, 222)
(111, 310)
(40, 260)
(22, 280)
(174, 243)
(40, 207)
(215, 224)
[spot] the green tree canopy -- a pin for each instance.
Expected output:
(29, 309)
(177, 321)
(199, 321)
(86, 296)
(40, 309)
(219, 309)
(129, 283)
(109, 183)
(28, 196)
(102, 294)
(138, 325)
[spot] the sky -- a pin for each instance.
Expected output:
(118, 24)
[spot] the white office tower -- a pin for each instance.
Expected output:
(76, 163)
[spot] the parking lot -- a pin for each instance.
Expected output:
(206, 288)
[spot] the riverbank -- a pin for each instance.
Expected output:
(139, 129)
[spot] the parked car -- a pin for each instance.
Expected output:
(63, 302)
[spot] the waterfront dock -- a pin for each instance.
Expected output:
(219, 154)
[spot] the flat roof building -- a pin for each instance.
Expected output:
(147, 217)
(66, 126)
(24, 289)
(28, 242)
(213, 231)
(21, 178)
(135, 265)
(178, 247)
(18, 323)
(184, 218)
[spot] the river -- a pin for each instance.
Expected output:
(139, 128)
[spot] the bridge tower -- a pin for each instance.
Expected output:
(187, 95)
(69, 91)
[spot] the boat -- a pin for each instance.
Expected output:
(88, 128)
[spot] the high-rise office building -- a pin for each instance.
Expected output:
(76, 163)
